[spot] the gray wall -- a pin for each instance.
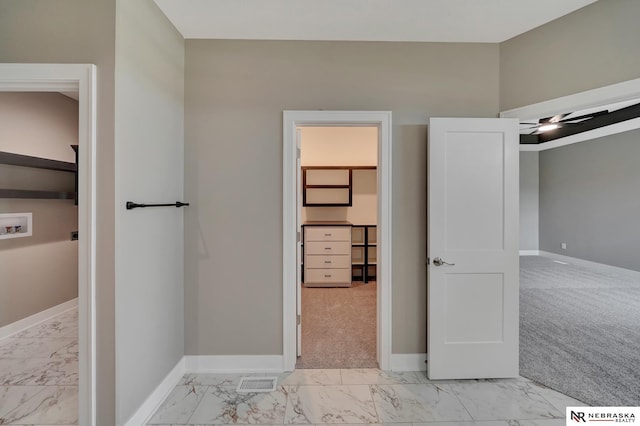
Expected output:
(235, 94)
(592, 47)
(590, 199)
(150, 121)
(40, 271)
(529, 204)
(79, 31)
(149, 154)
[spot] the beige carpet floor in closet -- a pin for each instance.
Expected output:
(339, 327)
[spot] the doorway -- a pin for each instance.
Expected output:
(338, 247)
(293, 120)
(80, 79)
(556, 281)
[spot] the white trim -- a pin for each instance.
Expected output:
(590, 264)
(529, 252)
(619, 92)
(291, 120)
(144, 413)
(37, 318)
(71, 78)
(409, 362)
(203, 364)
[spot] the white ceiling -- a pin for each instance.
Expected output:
(487, 21)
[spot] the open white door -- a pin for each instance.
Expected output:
(298, 245)
(473, 269)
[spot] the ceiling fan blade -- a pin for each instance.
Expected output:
(555, 119)
(585, 117)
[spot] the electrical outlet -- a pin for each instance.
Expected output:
(563, 246)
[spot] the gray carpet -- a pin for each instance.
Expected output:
(580, 331)
(339, 327)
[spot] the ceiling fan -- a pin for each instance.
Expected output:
(560, 120)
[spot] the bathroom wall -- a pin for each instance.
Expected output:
(40, 271)
(235, 92)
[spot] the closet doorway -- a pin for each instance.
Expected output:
(79, 79)
(338, 256)
(360, 272)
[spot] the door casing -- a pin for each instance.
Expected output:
(80, 78)
(292, 120)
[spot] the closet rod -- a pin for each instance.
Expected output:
(132, 205)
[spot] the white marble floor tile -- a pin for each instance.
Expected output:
(417, 403)
(374, 376)
(502, 401)
(11, 397)
(558, 400)
(38, 371)
(33, 348)
(310, 377)
(53, 405)
(469, 423)
(179, 405)
(50, 328)
(549, 422)
(68, 351)
(214, 379)
(330, 404)
(223, 405)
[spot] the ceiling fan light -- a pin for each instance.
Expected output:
(547, 127)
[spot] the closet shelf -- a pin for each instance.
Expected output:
(31, 194)
(40, 163)
(36, 162)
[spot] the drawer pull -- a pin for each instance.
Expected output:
(327, 235)
(327, 276)
(327, 248)
(327, 261)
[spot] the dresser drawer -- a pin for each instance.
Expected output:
(324, 233)
(320, 261)
(329, 247)
(328, 276)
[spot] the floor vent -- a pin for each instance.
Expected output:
(257, 384)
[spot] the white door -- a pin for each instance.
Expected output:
(473, 248)
(298, 245)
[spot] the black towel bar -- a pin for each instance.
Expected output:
(132, 205)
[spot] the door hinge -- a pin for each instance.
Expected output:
(297, 319)
(298, 237)
(428, 261)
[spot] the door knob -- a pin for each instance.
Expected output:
(439, 262)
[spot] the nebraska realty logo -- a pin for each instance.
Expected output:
(602, 414)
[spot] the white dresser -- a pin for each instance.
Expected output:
(327, 254)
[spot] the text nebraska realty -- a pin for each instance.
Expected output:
(603, 417)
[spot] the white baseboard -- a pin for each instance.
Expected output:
(35, 319)
(408, 362)
(235, 364)
(588, 263)
(529, 252)
(150, 405)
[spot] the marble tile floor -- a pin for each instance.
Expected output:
(362, 396)
(39, 373)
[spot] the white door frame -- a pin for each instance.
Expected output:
(80, 78)
(291, 120)
(601, 96)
